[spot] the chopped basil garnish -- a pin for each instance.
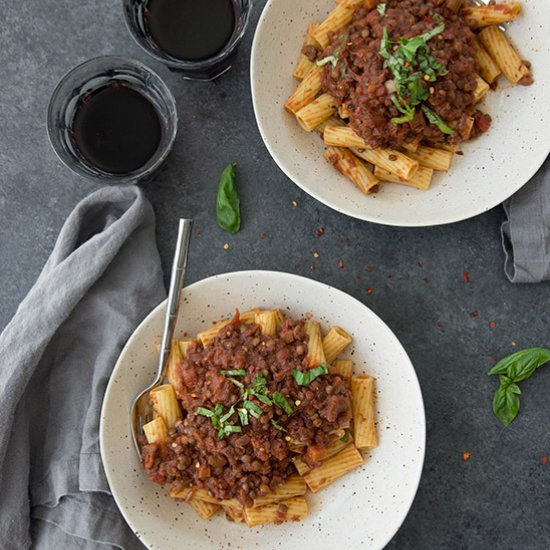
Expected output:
(307, 377)
(280, 400)
(228, 415)
(236, 382)
(255, 410)
(381, 9)
(204, 412)
(219, 420)
(280, 428)
(433, 118)
(333, 59)
(236, 372)
(243, 416)
(263, 398)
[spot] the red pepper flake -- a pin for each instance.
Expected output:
(198, 230)
(461, 153)
(492, 325)
(370, 290)
(439, 324)
(263, 236)
(389, 275)
(466, 277)
(369, 269)
(466, 456)
(426, 280)
(341, 264)
(320, 231)
(474, 313)
(312, 268)
(358, 278)
(545, 460)
(420, 263)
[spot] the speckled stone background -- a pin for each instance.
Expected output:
(500, 497)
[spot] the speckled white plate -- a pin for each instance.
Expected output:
(363, 510)
(492, 169)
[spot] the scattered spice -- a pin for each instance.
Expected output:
(426, 280)
(320, 231)
(514, 344)
(370, 290)
(461, 153)
(198, 230)
(545, 460)
(316, 254)
(439, 324)
(226, 246)
(358, 278)
(369, 269)
(492, 324)
(295, 204)
(263, 236)
(466, 456)
(341, 264)
(312, 267)
(466, 277)
(474, 313)
(420, 264)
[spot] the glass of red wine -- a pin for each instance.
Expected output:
(197, 38)
(113, 119)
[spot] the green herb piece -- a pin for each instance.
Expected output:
(332, 59)
(204, 412)
(236, 372)
(345, 437)
(433, 118)
(280, 428)
(230, 429)
(280, 400)
(243, 416)
(263, 398)
(236, 382)
(259, 383)
(381, 9)
(402, 107)
(255, 410)
(228, 213)
(513, 369)
(228, 415)
(307, 377)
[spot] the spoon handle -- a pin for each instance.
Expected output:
(177, 276)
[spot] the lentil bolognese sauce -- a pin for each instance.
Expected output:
(252, 401)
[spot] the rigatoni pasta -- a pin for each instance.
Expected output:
(257, 370)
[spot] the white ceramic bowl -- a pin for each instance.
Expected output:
(493, 167)
(366, 507)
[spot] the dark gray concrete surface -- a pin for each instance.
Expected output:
(500, 497)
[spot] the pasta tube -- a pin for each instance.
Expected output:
(488, 69)
(315, 353)
(304, 64)
(343, 136)
(342, 367)
(249, 316)
(267, 320)
(481, 89)
(339, 444)
(165, 404)
(392, 161)
(294, 486)
(306, 91)
(293, 509)
(437, 159)
(332, 121)
(333, 468)
(338, 18)
(316, 112)
(422, 179)
(349, 165)
(155, 431)
(362, 392)
(496, 43)
(483, 16)
(335, 340)
(174, 360)
(204, 509)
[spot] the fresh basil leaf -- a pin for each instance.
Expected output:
(228, 214)
(404, 108)
(228, 415)
(263, 398)
(280, 428)
(236, 372)
(280, 400)
(381, 9)
(236, 382)
(259, 383)
(307, 377)
(218, 409)
(506, 403)
(255, 410)
(522, 364)
(333, 59)
(433, 118)
(204, 412)
(230, 429)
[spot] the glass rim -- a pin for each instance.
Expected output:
(197, 65)
(76, 166)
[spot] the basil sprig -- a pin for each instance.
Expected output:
(307, 377)
(228, 213)
(412, 66)
(513, 369)
(220, 420)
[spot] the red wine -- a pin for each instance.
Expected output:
(191, 30)
(116, 129)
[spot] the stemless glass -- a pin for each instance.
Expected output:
(205, 69)
(89, 77)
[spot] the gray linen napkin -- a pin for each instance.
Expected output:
(526, 233)
(56, 356)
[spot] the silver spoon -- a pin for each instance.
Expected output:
(142, 410)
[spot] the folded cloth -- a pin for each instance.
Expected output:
(526, 232)
(56, 356)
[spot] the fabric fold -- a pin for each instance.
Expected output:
(102, 278)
